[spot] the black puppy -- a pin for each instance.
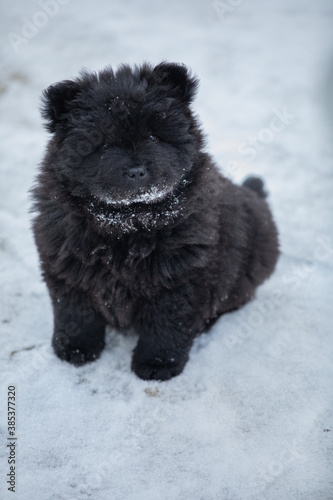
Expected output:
(136, 227)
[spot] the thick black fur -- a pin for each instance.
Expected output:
(135, 225)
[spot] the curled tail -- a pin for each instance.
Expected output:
(256, 185)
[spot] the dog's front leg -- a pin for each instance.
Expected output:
(166, 332)
(78, 328)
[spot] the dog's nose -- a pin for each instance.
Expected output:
(137, 173)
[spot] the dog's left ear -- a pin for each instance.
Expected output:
(57, 103)
(178, 80)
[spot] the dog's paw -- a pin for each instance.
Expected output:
(74, 353)
(157, 368)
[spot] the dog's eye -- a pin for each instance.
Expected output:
(105, 146)
(152, 138)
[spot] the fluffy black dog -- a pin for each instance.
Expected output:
(135, 225)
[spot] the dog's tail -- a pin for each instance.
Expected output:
(256, 185)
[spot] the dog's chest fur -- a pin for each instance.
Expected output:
(122, 273)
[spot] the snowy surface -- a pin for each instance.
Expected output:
(251, 416)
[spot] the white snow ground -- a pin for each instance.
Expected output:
(251, 416)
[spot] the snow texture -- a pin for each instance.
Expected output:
(251, 415)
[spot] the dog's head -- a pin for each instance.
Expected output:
(124, 137)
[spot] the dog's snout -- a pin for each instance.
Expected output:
(137, 173)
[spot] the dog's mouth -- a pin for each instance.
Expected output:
(154, 208)
(150, 196)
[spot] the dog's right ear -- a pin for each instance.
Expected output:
(177, 80)
(57, 101)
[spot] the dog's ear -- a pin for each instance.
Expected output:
(57, 103)
(177, 80)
